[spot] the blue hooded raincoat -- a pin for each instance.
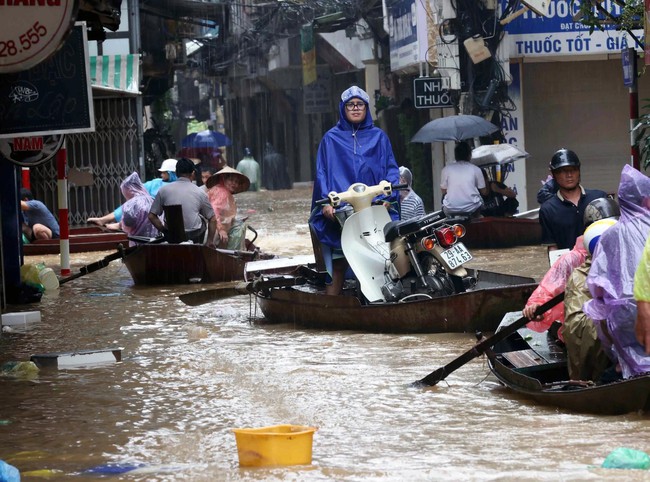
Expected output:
(350, 153)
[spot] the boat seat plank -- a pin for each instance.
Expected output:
(524, 358)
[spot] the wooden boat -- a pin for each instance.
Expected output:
(82, 239)
(534, 365)
(501, 232)
(479, 309)
(155, 264)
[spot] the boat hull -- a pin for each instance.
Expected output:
(158, 264)
(477, 310)
(501, 232)
(546, 381)
(81, 240)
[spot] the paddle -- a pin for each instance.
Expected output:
(197, 298)
(481, 347)
(102, 263)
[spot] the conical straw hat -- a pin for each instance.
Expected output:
(244, 182)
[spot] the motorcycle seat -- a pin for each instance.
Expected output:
(395, 229)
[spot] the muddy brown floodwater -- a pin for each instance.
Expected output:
(190, 375)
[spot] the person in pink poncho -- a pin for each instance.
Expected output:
(222, 187)
(555, 280)
(135, 210)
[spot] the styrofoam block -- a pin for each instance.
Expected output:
(21, 318)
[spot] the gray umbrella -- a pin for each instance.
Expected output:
(454, 128)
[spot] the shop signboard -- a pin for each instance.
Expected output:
(31, 32)
(560, 34)
(53, 97)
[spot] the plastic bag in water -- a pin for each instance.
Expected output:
(8, 473)
(625, 458)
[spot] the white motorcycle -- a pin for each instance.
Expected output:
(399, 260)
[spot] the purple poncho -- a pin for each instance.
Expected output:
(611, 277)
(135, 210)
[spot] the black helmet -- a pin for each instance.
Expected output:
(562, 158)
(600, 208)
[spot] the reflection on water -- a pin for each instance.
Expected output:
(191, 374)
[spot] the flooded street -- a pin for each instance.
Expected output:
(189, 375)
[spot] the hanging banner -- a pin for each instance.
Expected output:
(54, 97)
(30, 32)
(308, 49)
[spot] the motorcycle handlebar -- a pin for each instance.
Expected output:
(394, 187)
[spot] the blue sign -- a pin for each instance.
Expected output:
(558, 34)
(628, 58)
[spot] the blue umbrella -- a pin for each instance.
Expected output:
(205, 140)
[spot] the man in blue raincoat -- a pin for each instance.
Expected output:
(354, 150)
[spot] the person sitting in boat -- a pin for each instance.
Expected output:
(561, 216)
(554, 281)
(500, 200)
(194, 202)
(135, 211)
(167, 174)
(642, 297)
(411, 205)
(354, 150)
(611, 277)
(222, 187)
(206, 172)
(586, 360)
(39, 222)
(462, 185)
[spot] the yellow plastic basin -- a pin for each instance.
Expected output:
(275, 445)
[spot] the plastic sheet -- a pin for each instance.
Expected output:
(626, 458)
(8, 473)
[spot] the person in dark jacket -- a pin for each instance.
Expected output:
(562, 215)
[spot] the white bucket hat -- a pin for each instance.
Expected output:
(168, 165)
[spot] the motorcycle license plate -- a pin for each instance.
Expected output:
(456, 256)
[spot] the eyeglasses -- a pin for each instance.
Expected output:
(355, 106)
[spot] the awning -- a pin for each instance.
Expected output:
(117, 74)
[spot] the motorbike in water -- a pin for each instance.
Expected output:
(395, 261)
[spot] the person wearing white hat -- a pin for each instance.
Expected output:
(167, 174)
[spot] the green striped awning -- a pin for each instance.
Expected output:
(116, 73)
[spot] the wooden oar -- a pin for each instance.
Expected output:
(481, 347)
(102, 263)
(197, 298)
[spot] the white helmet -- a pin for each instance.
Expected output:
(168, 165)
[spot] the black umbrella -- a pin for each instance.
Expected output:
(454, 128)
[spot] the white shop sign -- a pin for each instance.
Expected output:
(32, 30)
